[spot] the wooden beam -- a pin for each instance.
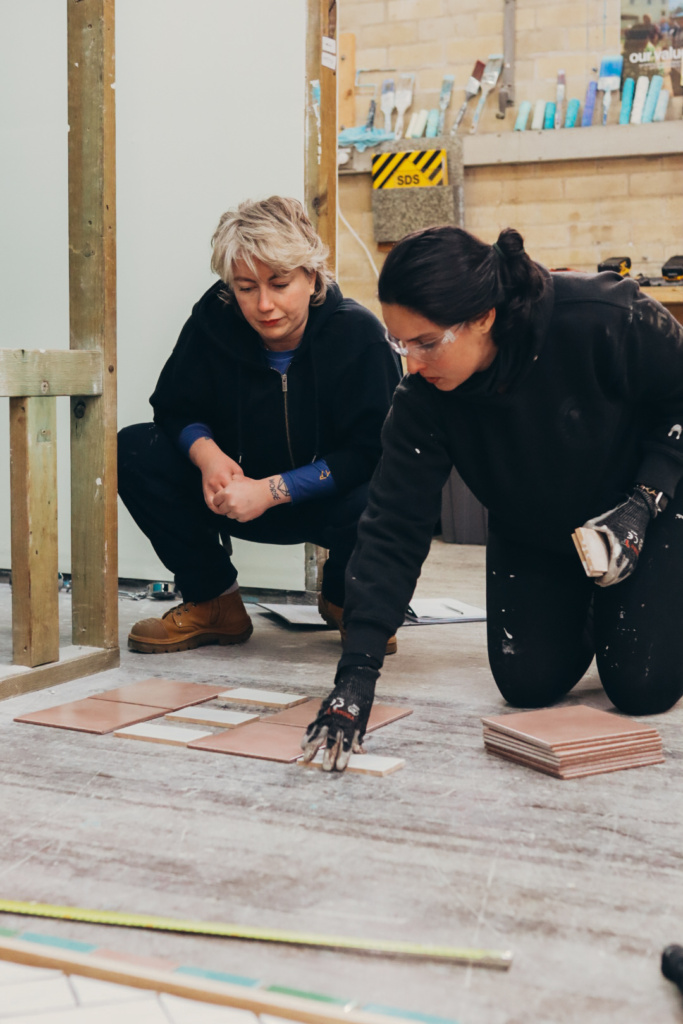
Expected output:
(92, 306)
(320, 166)
(346, 106)
(33, 489)
(258, 1001)
(72, 663)
(321, 122)
(49, 372)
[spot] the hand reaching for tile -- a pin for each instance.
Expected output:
(343, 718)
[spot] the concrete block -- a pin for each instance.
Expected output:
(396, 212)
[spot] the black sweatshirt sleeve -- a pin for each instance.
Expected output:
(395, 531)
(654, 381)
(361, 402)
(178, 399)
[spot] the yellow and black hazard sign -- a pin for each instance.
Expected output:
(416, 169)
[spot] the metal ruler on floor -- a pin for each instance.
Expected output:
(377, 947)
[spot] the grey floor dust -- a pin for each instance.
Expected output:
(580, 879)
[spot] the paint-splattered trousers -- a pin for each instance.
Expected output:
(547, 619)
(162, 490)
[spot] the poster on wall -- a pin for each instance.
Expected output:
(652, 40)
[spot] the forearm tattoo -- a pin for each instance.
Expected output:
(278, 488)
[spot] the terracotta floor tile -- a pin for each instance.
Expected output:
(162, 693)
(90, 715)
(267, 742)
(301, 715)
(567, 726)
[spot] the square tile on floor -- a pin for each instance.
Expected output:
(267, 742)
(36, 997)
(162, 732)
(363, 764)
(303, 714)
(262, 698)
(187, 1011)
(93, 992)
(211, 716)
(90, 715)
(162, 693)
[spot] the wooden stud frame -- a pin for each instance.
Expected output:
(86, 373)
(320, 162)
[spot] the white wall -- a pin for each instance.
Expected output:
(210, 110)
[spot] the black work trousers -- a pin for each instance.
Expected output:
(547, 619)
(162, 490)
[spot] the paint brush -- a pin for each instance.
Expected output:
(627, 100)
(489, 78)
(589, 105)
(444, 100)
(471, 90)
(609, 81)
(403, 99)
(560, 92)
(655, 88)
(538, 116)
(386, 102)
(642, 86)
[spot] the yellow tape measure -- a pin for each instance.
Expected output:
(421, 168)
(383, 947)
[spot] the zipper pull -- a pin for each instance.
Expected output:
(284, 382)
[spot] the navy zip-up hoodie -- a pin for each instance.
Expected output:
(330, 404)
(595, 406)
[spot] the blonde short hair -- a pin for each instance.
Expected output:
(275, 231)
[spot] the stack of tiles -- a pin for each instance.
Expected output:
(569, 742)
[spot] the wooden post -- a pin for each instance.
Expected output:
(33, 487)
(92, 307)
(321, 122)
(320, 162)
(346, 88)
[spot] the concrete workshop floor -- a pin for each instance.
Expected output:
(580, 879)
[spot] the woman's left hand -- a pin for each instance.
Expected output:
(623, 529)
(245, 499)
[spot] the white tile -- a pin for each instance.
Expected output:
(264, 698)
(187, 1011)
(142, 1012)
(363, 764)
(91, 991)
(211, 716)
(36, 996)
(11, 973)
(175, 735)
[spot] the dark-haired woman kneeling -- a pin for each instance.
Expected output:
(559, 398)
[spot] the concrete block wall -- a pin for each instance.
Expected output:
(571, 213)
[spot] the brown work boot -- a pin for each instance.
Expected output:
(333, 614)
(223, 620)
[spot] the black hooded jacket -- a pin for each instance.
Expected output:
(330, 404)
(595, 406)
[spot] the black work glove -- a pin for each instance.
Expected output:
(342, 719)
(624, 529)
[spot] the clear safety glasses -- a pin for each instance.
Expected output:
(423, 349)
